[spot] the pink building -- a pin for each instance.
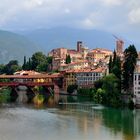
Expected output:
(59, 55)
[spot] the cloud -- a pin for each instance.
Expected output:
(102, 14)
(32, 3)
(112, 2)
(134, 16)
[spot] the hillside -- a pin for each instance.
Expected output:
(15, 46)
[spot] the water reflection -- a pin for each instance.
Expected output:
(54, 123)
(124, 124)
(85, 122)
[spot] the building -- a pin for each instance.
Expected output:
(75, 55)
(83, 77)
(119, 46)
(69, 79)
(98, 55)
(59, 55)
(74, 66)
(87, 77)
(137, 83)
(26, 72)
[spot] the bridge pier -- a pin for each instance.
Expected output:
(22, 94)
(13, 94)
(30, 94)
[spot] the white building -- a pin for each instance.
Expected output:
(137, 83)
(87, 77)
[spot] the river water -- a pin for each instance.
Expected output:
(30, 123)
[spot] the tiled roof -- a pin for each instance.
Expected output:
(38, 76)
(26, 72)
(100, 70)
(102, 49)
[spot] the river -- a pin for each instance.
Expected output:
(64, 123)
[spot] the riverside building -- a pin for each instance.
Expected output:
(137, 83)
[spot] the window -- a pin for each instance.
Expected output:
(135, 77)
(139, 77)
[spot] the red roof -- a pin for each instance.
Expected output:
(38, 76)
(99, 70)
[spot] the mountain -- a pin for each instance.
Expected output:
(67, 37)
(14, 47)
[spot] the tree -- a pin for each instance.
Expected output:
(97, 96)
(111, 95)
(71, 88)
(114, 58)
(98, 84)
(37, 59)
(130, 56)
(68, 59)
(110, 64)
(117, 68)
(49, 61)
(12, 67)
(2, 67)
(24, 66)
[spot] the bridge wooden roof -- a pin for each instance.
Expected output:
(36, 76)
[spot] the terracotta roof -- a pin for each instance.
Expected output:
(26, 72)
(100, 70)
(38, 76)
(102, 49)
(97, 51)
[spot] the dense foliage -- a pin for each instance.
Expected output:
(10, 68)
(71, 88)
(130, 56)
(68, 59)
(5, 95)
(38, 62)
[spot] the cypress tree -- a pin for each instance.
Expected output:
(114, 58)
(68, 59)
(110, 64)
(130, 56)
(24, 64)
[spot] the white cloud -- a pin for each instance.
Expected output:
(79, 13)
(134, 16)
(32, 3)
(112, 2)
(92, 20)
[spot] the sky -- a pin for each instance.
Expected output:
(121, 17)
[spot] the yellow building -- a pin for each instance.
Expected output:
(98, 54)
(69, 79)
(74, 65)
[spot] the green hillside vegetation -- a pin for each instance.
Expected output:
(15, 47)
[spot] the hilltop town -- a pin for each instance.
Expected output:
(105, 75)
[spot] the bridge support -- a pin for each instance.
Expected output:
(30, 94)
(13, 94)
